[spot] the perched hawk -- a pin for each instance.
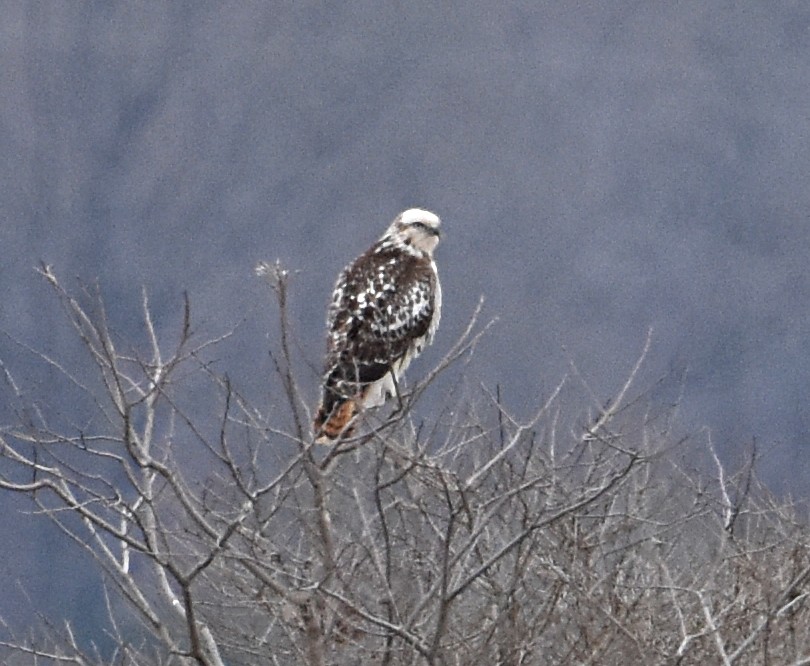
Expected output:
(384, 311)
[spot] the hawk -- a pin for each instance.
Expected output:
(384, 311)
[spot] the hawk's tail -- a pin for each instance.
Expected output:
(334, 419)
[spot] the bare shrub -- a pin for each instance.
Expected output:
(581, 534)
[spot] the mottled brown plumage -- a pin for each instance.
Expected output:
(385, 309)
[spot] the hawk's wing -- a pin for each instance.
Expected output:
(382, 307)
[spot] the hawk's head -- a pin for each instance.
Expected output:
(418, 228)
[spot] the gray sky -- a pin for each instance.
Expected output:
(600, 169)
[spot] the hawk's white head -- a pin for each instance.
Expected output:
(417, 228)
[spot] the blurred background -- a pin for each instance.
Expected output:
(600, 169)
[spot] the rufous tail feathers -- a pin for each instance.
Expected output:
(337, 422)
